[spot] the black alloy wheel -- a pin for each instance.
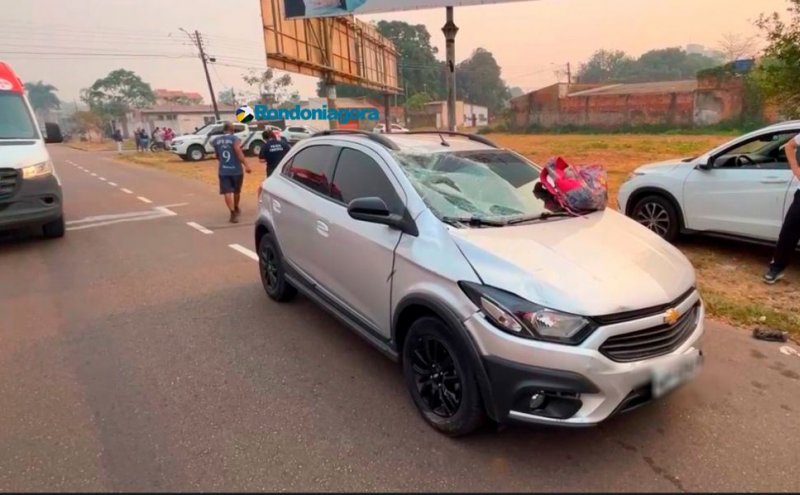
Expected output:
(436, 376)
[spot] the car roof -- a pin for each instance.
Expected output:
(781, 125)
(416, 143)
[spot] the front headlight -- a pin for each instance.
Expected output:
(522, 318)
(38, 170)
(633, 175)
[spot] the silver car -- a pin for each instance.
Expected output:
(442, 250)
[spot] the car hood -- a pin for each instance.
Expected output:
(599, 264)
(660, 167)
(19, 153)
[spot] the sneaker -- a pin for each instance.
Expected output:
(773, 275)
(234, 217)
(237, 210)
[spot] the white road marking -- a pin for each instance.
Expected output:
(143, 199)
(199, 227)
(112, 184)
(174, 205)
(103, 220)
(244, 251)
(126, 191)
(790, 351)
(102, 179)
(94, 174)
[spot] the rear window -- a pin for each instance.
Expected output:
(16, 122)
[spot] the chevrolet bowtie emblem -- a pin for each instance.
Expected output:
(671, 316)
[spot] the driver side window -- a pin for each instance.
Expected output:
(762, 152)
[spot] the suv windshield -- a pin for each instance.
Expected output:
(491, 185)
(205, 129)
(16, 121)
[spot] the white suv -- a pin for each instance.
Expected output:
(195, 147)
(439, 249)
(742, 188)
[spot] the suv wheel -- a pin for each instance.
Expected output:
(196, 153)
(657, 214)
(54, 229)
(273, 276)
(440, 378)
(255, 148)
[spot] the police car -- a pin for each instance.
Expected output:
(30, 190)
(195, 147)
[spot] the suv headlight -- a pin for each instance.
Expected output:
(522, 318)
(38, 170)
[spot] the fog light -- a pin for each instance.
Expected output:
(537, 401)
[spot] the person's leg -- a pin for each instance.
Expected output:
(227, 189)
(119, 146)
(238, 182)
(787, 241)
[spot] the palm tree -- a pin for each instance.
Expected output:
(42, 97)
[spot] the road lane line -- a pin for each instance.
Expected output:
(166, 211)
(94, 174)
(244, 251)
(112, 184)
(143, 199)
(199, 227)
(126, 191)
(102, 179)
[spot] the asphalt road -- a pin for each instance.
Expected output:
(143, 355)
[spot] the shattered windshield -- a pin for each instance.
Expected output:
(490, 185)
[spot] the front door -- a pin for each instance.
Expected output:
(360, 255)
(743, 192)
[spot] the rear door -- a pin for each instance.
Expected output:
(744, 191)
(359, 255)
(296, 212)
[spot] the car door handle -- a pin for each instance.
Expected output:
(276, 206)
(774, 180)
(322, 229)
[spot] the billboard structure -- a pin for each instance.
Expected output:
(340, 50)
(325, 8)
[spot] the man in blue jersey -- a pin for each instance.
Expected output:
(229, 152)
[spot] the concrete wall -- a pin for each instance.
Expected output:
(620, 110)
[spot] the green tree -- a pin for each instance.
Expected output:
(42, 97)
(606, 66)
(779, 72)
(417, 101)
(267, 87)
(666, 64)
(113, 96)
(478, 80)
(227, 96)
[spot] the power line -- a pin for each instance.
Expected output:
(93, 54)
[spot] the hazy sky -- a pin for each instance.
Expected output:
(530, 40)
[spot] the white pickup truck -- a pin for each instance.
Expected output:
(194, 147)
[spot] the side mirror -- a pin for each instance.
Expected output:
(707, 165)
(374, 210)
(52, 133)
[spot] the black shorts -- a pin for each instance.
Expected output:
(230, 183)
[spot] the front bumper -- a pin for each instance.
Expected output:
(35, 202)
(583, 387)
(179, 149)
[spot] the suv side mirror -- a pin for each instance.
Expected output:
(707, 165)
(52, 133)
(374, 210)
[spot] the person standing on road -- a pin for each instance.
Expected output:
(231, 159)
(273, 150)
(790, 231)
(118, 139)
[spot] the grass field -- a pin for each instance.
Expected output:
(728, 272)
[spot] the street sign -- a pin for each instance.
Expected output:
(296, 9)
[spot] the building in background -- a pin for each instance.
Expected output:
(702, 50)
(434, 114)
(183, 119)
(172, 97)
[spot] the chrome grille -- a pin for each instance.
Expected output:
(651, 342)
(9, 178)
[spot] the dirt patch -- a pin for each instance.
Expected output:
(729, 272)
(105, 145)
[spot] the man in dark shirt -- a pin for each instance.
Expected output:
(790, 231)
(229, 152)
(273, 151)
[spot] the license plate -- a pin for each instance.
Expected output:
(675, 373)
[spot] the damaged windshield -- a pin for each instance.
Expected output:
(477, 187)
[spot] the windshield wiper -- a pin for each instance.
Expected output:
(474, 221)
(541, 216)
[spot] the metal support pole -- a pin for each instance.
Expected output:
(450, 30)
(330, 94)
(386, 110)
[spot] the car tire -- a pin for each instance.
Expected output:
(658, 214)
(195, 153)
(441, 379)
(272, 271)
(54, 229)
(255, 148)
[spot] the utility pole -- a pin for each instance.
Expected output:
(569, 74)
(198, 42)
(450, 30)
